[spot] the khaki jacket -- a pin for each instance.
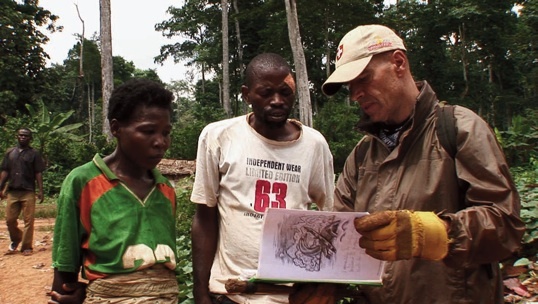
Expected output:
(474, 192)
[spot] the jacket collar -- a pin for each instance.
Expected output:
(426, 102)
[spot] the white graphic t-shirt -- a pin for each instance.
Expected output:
(243, 173)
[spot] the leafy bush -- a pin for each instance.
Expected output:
(189, 125)
(337, 122)
(185, 212)
(521, 139)
(185, 141)
(526, 179)
(519, 143)
(63, 156)
(9, 129)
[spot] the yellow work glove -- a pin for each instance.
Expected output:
(313, 293)
(402, 235)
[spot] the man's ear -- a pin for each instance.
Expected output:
(400, 59)
(114, 127)
(244, 93)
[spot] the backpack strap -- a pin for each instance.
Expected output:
(446, 128)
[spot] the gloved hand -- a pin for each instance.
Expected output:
(403, 234)
(313, 293)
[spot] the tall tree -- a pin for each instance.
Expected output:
(303, 91)
(80, 79)
(431, 30)
(86, 74)
(106, 61)
(196, 23)
(239, 44)
(462, 47)
(525, 53)
(323, 24)
(225, 61)
(22, 57)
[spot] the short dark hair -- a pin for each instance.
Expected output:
(261, 61)
(135, 92)
(25, 129)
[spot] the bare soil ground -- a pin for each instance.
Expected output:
(27, 279)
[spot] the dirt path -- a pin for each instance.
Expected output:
(27, 279)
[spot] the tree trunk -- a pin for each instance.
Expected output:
(303, 91)
(106, 62)
(225, 61)
(328, 53)
(80, 77)
(81, 56)
(203, 78)
(239, 51)
(491, 97)
(91, 110)
(464, 62)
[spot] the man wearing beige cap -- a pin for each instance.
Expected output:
(442, 221)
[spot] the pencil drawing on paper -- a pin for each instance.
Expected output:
(314, 246)
(309, 242)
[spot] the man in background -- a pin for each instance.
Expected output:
(22, 167)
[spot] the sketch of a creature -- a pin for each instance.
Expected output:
(312, 242)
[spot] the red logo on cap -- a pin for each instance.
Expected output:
(379, 44)
(339, 52)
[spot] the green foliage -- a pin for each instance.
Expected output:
(197, 22)
(185, 140)
(184, 269)
(53, 178)
(521, 139)
(123, 70)
(44, 126)
(9, 129)
(61, 147)
(192, 116)
(64, 155)
(185, 212)
(337, 121)
(186, 131)
(150, 74)
(22, 57)
(526, 179)
(323, 24)
(57, 91)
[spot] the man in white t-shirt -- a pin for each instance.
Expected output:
(245, 165)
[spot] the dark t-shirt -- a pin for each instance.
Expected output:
(22, 165)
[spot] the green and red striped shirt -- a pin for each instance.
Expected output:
(104, 227)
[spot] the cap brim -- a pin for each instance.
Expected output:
(344, 74)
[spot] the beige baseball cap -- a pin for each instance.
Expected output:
(355, 52)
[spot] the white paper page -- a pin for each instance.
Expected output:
(302, 245)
